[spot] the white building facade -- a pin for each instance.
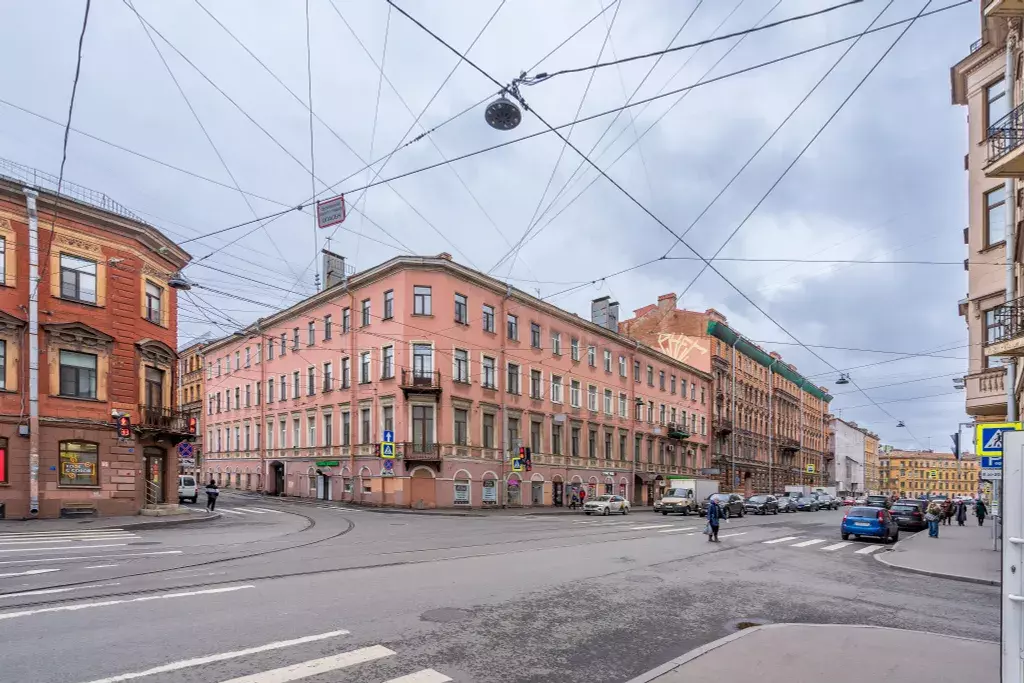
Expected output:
(848, 466)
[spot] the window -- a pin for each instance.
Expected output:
(346, 320)
(661, 380)
(513, 430)
(672, 417)
(622, 446)
(556, 439)
(364, 422)
(993, 326)
(461, 365)
(364, 367)
(461, 426)
(310, 381)
(258, 392)
(995, 216)
(513, 379)
(535, 429)
(592, 356)
(311, 333)
(283, 427)
(592, 444)
(328, 377)
(608, 445)
(77, 374)
(574, 349)
(248, 356)
(387, 361)
(574, 393)
(238, 360)
(3, 370)
(296, 390)
(422, 361)
(513, 327)
(389, 304)
(311, 431)
(622, 405)
(556, 388)
(636, 371)
(608, 401)
(693, 391)
(536, 377)
(622, 366)
(227, 399)
(461, 309)
(270, 350)
(703, 396)
(996, 104)
(346, 374)
(556, 343)
(346, 428)
(365, 308)
(295, 338)
(488, 430)
(488, 318)
(79, 463)
(489, 377)
(638, 411)
(672, 384)
(248, 395)
(421, 301)
(607, 360)
(284, 343)
(248, 437)
(154, 298)
(574, 444)
(535, 335)
(3, 279)
(327, 327)
(682, 388)
(661, 414)
(78, 279)
(328, 429)
(650, 375)
(592, 398)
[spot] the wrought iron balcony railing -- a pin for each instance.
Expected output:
(1006, 135)
(421, 380)
(1008, 322)
(163, 419)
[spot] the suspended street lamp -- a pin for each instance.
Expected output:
(843, 379)
(503, 114)
(900, 424)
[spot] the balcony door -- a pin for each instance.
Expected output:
(422, 363)
(422, 429)
(154, 388)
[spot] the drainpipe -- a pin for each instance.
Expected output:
(33, 350)
(1011, 225)
(735, 422)
(261, 485)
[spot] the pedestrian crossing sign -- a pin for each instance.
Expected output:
(517, 464)
(387, 450)
(810, 469)
(990, 436)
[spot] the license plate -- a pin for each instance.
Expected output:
(861, 524)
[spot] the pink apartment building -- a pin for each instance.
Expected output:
(464, 370)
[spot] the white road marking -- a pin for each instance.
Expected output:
(89, 557)
(425, 676)
(77, 539)
(29, 572)
(804, 544)
(276, 512)
(230, 512)
(220, 657)
(100, 566)
(737, 533)
(49, 591)
(59, 533)
(837, 546)
(868, 549)
(672, 531)
(253, 510)
(650, 526)
(107, 603)
(63, 547)
(317, 666)
(780, 540)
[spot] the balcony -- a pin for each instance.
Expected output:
(1007, 333)
(986, 392)
(1004, 8)
(427, 452)
(421, 382)
(722, 425)
(787, 444)
(678, 431)
(164, 420)
(1005, 150)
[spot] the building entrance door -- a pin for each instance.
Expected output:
(556, 494)
(537, 493)
(155, 463)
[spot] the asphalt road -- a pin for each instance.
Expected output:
(366, 596)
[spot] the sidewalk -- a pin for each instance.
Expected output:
(961, 553)
(782, 653)
(133, 522)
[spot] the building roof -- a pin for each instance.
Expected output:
(720, 330)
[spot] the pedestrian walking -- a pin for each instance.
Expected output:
(932, 517)
(961, 512)
(947, 512)
(574, 502)
(980, 510)
(583, 497)
(211, 495)
(714, 515)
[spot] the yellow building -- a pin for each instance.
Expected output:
(871, 476)
(914, 473)
(191, 381)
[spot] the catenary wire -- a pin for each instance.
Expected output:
(312, 138)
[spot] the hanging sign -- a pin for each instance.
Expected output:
(330, 211)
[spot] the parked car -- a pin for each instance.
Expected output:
(731, 504)
(679, 500)
(606, 504)
(826, 501)
(786, 503)
(761, 505)
(187, 489)
(877, 502)
(849, 501)
(869, 521)
(909, 513)
(807, 504)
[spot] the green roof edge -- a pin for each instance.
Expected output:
(729, 336)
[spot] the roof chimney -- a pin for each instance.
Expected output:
(667, 302)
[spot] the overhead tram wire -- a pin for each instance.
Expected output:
(817, 134)
(312, 145)
(630, 196)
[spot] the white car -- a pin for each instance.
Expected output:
(187, 489)
(606, 505)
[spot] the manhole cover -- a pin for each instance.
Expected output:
(446, 615)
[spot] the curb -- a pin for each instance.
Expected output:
(674, 664)
(941, 575)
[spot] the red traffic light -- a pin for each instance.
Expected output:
(124, 427)
(192, 424)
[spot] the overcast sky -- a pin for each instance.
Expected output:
(885, 180)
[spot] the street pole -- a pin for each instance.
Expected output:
(33, 350)
(770, 425)
(735, 421)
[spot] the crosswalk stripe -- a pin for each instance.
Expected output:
(62, 537)
(650, 526)
(780, 540)
(868, 550)
(232, 512)
(76, 539)
(316, 666)
(254, 510)
(79, 558)
(276, 512)
(219, 657)
(30, 572)
(736, 533)
(804, 544)
(424, 676)
(837, 546)
(60, 533)
(63, 547)
(74, 607)
(672, 531)
(50, 591)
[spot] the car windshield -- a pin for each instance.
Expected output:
(862, 512)
(757, 499)
(876, 498)
(904, 508)
(605, 498)
(675, 493)
(188, 481)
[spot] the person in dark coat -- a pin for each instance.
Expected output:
(211, 495)
(980, 510)
(947, 512)
(961, 512)
(714, 515)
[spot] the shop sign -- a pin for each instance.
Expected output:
(462, 493)
(327, 463)
(490, 492)
(76, 469)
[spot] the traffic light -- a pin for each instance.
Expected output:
(956, 444)
(124, 427)
(528, 460)
(192, 424)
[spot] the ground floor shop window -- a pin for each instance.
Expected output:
(79, 463)
(514, 492)
(490, 492)
(461, 493)
(3, 460)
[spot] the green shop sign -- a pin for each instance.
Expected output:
(327, 463)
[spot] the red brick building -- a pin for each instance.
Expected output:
(107, 332)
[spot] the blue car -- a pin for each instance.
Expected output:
(874, 522)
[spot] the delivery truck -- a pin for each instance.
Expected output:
(684, 496)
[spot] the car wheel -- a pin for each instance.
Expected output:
(665, 513)
(775, 511)
(742, 512)
(896, 537)
(180, 501)
(606, 511)
(586, 512)
(845, 536)
(725, 513)
(625, 510)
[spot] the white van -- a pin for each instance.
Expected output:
(187, 489)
